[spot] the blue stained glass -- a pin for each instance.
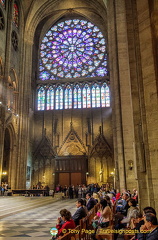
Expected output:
(61, 24)
(43, 46)
(44, 75)
(76, 21)
(100, 35)
(90, 25)
(45, 40)
(59, 98)
(80, 43)
(41, 98)
(68, 97)
(68, 22)
(50, 98)
(49, 33)
(105, 96)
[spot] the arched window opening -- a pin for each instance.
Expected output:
(86, 96)
(16, 15)
(41, 98)
(77, 97)
(105, 96)
(50, 98)
(68, 97)
(95, 95)
(59, 98)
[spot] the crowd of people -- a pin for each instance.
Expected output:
(118, 208)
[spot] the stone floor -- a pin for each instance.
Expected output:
(30, 218)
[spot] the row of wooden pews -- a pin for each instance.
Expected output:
(85, 229)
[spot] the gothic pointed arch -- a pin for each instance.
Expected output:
(44, 149)
(9, 164)
(101, 147)
(72, 145)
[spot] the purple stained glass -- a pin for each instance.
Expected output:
(72, 49)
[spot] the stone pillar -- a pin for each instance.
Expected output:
(24, 117)
(150, 99)
(2, 114)
(115, 100)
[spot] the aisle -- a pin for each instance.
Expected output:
(34, 223)
(27, 219)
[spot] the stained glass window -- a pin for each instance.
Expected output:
(77, 97)
(105, 96)
(3, 3)
(86, 96)
(71, 49)
(95, 96)
(59, 98)
(41, 99)
(16, 15)
(50, 98)
(68, 97)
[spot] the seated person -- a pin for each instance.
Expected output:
(104, 215)
(141, 224)
(84, 205)
(80, 212)
(131, 213)
(90, 201)
(151, 225)
(64, 222)
(122, 205)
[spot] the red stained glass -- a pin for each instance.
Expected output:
(15, 15)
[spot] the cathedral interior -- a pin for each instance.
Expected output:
(78, 94)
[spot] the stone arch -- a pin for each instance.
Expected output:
(101, 153)
(48, 13)
(72, 145)
(9, 164)
(12, 90)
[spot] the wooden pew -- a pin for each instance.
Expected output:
(107, 233)
(73, 235)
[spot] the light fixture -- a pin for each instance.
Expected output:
(130, 163)
(4, 173)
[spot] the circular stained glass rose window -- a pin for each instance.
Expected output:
(71, 49)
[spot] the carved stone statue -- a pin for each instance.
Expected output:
(101, 175)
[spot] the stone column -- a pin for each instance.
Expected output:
(150, 99)
(24, 117)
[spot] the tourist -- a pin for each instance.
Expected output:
(64, 222)
(80, 212)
